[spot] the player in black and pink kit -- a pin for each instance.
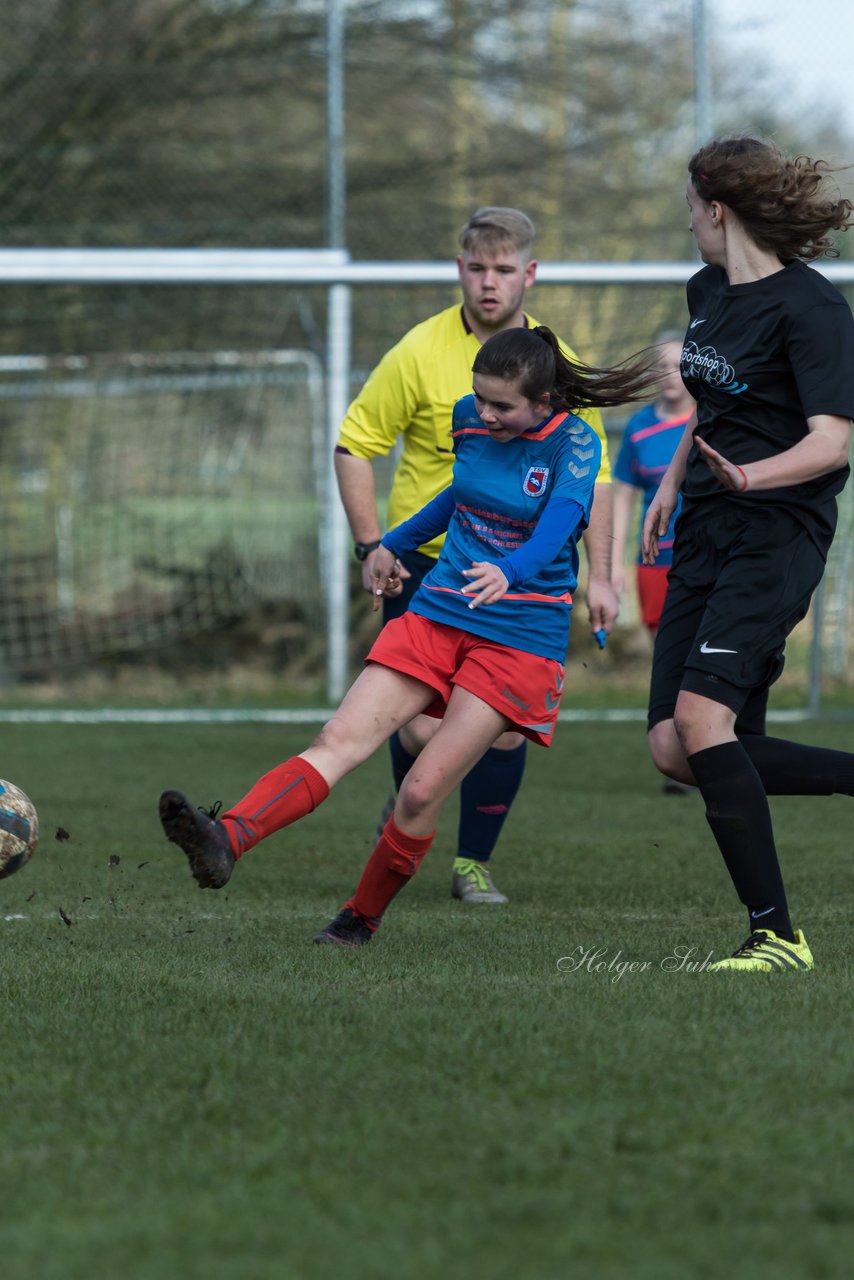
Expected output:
(769, 358)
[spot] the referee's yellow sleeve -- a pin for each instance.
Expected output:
(384, 407)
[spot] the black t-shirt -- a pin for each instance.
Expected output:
(759, 359)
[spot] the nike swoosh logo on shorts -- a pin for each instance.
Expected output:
(706, 648)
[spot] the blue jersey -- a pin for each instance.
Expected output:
(499, 495)
(649, 443)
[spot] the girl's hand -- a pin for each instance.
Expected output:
(487, 580)
(657, 521)
(729, 475)
(367, 572)
(385, 575)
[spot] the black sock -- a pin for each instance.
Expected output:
(401, 760)
(486, 794)
(792, 769)
(738, 814)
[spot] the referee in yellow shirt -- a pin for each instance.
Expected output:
(409, 397)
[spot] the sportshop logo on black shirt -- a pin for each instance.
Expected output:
(705, 363)
(761, 359)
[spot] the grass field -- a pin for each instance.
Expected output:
(194, 1090)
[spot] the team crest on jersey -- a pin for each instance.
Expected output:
(534, 484)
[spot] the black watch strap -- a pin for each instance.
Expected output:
(362, 550)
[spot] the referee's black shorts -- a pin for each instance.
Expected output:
(419, 566)
(742, 578)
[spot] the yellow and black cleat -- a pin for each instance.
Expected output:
(764, 952)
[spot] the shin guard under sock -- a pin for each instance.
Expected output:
(392, 864)
(486, 794)
(283, 795)
(738, 814)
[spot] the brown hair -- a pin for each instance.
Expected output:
(494, 227)
(782, 203)
(535, 358)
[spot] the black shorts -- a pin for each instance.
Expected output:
(742, 578)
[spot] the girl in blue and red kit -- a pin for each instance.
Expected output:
(483, 643)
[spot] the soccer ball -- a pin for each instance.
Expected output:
(19, 828)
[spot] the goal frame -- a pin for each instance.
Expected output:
(335, 270)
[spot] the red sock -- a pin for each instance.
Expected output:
(391, 865)
(283, 795)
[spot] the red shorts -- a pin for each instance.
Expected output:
(652, 588)
(524, 687)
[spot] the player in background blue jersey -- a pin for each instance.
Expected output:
(649, 442)
(483, 643)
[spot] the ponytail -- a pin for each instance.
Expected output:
(535, 358)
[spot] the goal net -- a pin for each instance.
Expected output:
(150, 497)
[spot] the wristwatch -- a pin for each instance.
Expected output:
(362, 550)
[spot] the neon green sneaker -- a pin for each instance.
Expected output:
(764, 952)
(473, 883)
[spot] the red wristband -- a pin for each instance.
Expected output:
(743, 476)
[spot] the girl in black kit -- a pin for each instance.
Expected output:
(769, 358)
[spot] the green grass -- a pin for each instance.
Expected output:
(193, 1090)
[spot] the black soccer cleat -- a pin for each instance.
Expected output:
(201, 836)
(346, 930)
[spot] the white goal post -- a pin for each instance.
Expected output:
(333, 269)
